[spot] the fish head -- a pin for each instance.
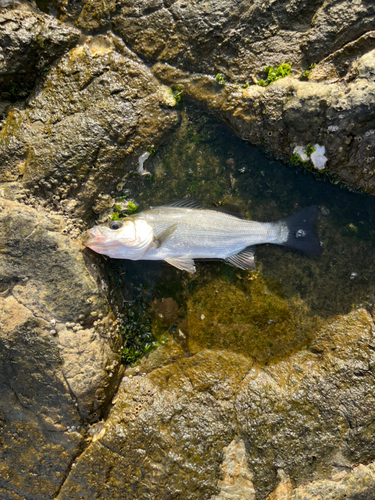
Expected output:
(120, 239)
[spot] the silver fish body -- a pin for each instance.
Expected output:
(181, 232)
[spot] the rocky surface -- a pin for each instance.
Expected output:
(215, 424)
(58, 369)
(356, 485)
(29, 43)
(292, 113)
(84, 128)
(188, 40)
(237, 477)
(167, 430)
(236, 38)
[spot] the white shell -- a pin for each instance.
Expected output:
(301, 152)
(317, 157)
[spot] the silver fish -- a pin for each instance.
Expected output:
(183, 231)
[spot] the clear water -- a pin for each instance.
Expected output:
(266, 314)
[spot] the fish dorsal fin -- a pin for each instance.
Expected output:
(165, 235)
(185, 203)
(231, 209)
(244, 259)
(183, 263)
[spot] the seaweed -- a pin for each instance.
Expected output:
(275, 73)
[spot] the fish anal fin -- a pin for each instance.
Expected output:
(165, 235)
(244, 259)
(183, 263)
(185, 203)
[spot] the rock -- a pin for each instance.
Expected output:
(83, 131)
(41, 427)
(58, 371)
(214, 424)
(310, 400)
(29, 43)
(163, 355)
(166, 433)
(358, 484)
(237, 481)
(290, 112)
(284, 490)
(235, 38)
(330, 45)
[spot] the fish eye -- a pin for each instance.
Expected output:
(115, 224)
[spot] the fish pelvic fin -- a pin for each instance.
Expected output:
(300, 230)
(183, 263)
(165, 236)
(243, 260)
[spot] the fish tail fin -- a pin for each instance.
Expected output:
(299, 232)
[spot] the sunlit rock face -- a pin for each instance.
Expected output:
(172, 430)
(237, 38)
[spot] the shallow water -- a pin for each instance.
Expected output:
(265, 314)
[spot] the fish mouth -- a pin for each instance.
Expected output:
(92, 236)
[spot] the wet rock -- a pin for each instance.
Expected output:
(237, 477)
(307, 417)
(29, 42)
(84, 129)
(166, 433)
(284, 490)
(290, 112)
(58, 371)
(41, 427)
(163, 355)
(329, 42)
(234, 38)
(358, 484)
(310, 400)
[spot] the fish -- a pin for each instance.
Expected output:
(183, 231)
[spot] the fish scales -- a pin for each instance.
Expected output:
(199, 236)
(181, 232)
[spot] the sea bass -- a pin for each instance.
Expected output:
(183, 231)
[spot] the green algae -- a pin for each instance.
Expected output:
(138, 338)
(220, 79)
(275, 73)
(249, 317)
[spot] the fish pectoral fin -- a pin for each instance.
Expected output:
(183, 263)
(244, 259)
(165, 235)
